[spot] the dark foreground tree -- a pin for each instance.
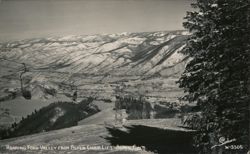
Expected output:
(217, 75)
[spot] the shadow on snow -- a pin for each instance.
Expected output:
(158, 140)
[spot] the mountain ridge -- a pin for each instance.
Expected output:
(75, 61)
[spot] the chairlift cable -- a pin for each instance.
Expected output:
(17, 69)
(34, 69)
(10, 60)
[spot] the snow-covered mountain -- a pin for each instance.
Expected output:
(146, 64)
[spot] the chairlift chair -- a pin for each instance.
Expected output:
(74, 95)
(25, 92)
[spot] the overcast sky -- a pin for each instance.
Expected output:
(21, 19)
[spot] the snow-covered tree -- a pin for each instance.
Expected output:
(217, 75)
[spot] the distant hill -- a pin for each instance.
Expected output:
(99, 65)
(54, 116)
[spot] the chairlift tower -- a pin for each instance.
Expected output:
(25, 93)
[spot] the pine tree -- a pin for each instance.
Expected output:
(217, 75)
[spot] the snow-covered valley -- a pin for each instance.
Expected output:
(145, 64)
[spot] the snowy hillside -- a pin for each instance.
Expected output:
(97, 65)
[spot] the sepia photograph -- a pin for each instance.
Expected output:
(124, 76)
